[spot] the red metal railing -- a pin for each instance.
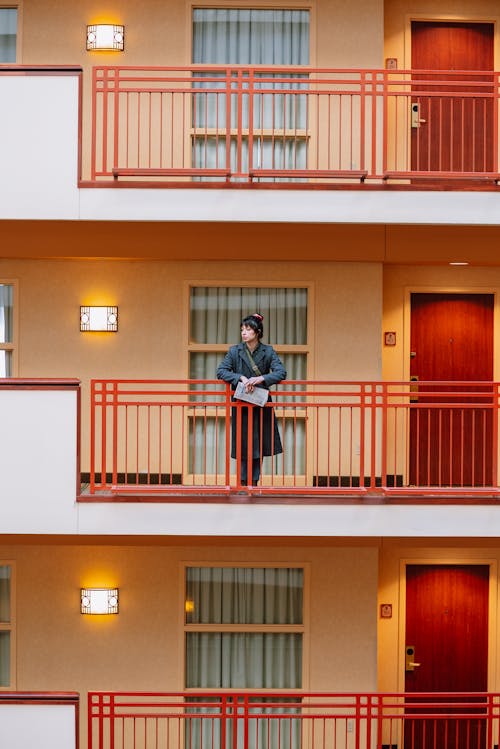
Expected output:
(292, 720)
(256, 124)
(338, 438)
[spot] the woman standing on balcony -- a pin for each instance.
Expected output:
(256, 365)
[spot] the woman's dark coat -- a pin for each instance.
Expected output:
(235, 364)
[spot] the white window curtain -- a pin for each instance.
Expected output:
(216, 314)
(252, 37)
(6, 313)
(244, 660)
(4, 659)
(6, 328)
(238, 36)
(244, 596)
(5, 618)
(8, 33)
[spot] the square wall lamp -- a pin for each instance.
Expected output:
(99, 319)
(105, 36)
(99, 600)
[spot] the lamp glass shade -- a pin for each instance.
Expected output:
(99, 600)
(99, 319)
(105, 36)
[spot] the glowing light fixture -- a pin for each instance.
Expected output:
(105, 36)
(99, 318)
(99, 600)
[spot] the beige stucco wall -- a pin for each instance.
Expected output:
(153, 299)
(342, 35)
(141, 648)
(401, 280)
(348, 646)
(160, 33)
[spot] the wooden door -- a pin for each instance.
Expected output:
(451, 340)
(455, 122)
(447, 629)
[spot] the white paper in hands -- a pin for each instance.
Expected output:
(259, 397)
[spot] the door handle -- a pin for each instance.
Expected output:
(416, 120)
(410, 664)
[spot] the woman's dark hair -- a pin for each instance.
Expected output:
(255, 322)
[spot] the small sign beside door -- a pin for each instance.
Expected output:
(386, 610)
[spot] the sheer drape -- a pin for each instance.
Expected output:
(5, 616)
(216, 313)
(244, 660)
(252, 37)
(5, 363)
(8, 31)
(244, 595)
(236, 36)
(6, 327)
(6, 313)
(4, 659)
(252, 596)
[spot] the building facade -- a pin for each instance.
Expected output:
(314, 176)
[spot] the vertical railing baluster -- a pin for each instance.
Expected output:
(227, 429)
(383, 435)
(116, 117)
(495, 479)
(362, 426)
(115, 432)
(93, 406)
(251, 95)
(229, 109)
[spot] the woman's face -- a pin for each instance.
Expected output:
(248, 334)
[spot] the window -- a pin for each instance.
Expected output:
(6, 626)
(6, 329)
(215, 316)
(8, 33)
(244, 627)
(235, 36)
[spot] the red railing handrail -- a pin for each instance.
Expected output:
(289, 699)
(48, 698)
(38, 383)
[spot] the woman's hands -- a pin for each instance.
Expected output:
(251, 382)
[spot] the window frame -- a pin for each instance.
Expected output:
(298, 138)
(12, 346)
(302, 629)
(220, 349)
(10, 626)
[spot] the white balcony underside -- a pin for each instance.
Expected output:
(295, 206)
(358, 521)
